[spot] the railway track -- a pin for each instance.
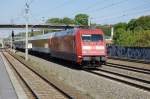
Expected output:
(128, 67)
(135, 77)
(131, 60)
(40, 88)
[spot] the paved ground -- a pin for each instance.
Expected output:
(6, 89)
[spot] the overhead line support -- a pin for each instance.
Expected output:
(26, 40)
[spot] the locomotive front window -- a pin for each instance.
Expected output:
(86, 38)
(92, 37)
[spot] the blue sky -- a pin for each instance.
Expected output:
(100, 11)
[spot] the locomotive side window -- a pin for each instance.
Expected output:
(92, 37)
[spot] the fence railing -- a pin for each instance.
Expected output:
(137, 53)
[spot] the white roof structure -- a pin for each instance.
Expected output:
(45, 36)
(50, 35)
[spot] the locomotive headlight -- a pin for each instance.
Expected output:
(79, 56)
(86, 47)
(100, 47)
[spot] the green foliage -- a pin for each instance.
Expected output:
(129, 38)
(132, 24)
(0, 45)
(142, 23)
(54, 21)
(135, 33)
(121, 25)
(59, 21)
(81, 19)
(67, 21)
(106, 29)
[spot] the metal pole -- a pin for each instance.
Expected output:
(26, 57)
(43, 32)
(43, 24)
(112, 32)
(11, 42)
(89, 21)
(26, 47)
(11, 38)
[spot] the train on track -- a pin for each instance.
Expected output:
(83, 46)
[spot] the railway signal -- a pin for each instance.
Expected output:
(12, 35)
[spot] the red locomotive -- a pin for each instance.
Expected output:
(83, 46)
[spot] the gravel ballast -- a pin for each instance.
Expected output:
(94, 86)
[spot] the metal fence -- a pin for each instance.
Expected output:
(138, 53)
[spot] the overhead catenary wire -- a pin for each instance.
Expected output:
(111, 5)
(139, 14)
(107, 6)
(123, 15)
(89, 7)
(31, 1)
(124, 11)
(21, 14)
(61, 5)
(54, 9)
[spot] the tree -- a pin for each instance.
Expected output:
(67, 21)
(120, 25)
(54, 21)
(131, 25)
(58, 21)
(106, 29)
(143, 22)
(81, 19)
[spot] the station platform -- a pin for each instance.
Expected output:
(7, 90)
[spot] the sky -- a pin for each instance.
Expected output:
(100, 11)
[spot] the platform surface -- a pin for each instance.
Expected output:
(6, 88)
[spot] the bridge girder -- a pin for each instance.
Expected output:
(41, 26)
